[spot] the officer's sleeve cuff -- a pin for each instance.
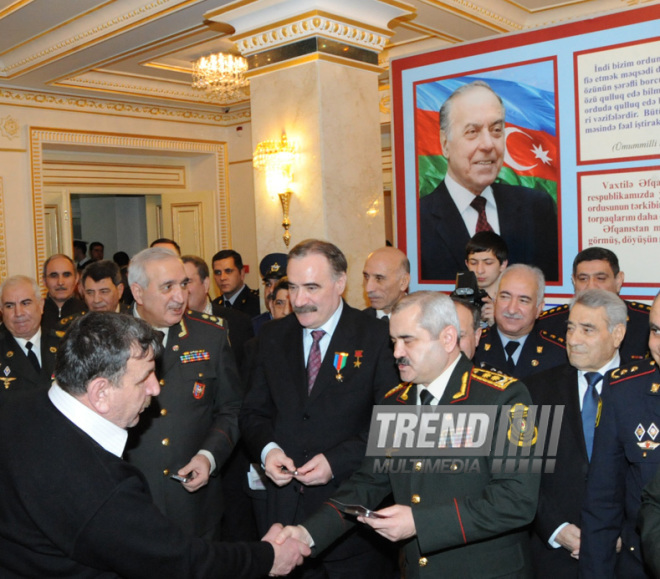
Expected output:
(208, 455)
(551, 541)
(264, 453)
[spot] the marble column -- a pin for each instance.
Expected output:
(313, 68)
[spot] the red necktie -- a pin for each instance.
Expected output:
(314, 360)
(479, 203)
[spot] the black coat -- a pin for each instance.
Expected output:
(528, 224)
(246, 301)
(78, 511)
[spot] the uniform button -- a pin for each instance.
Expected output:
(161, 382)
(644, 454)
(418, 465)
(423, 561)
(166, 442)
(416, 499)
(166, 472)
(632, 548)
(163, 411)
(200, 374)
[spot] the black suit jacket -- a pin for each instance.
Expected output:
(539, 352)
(239, 328)
(334, 420)
(197, 409)
(562, 491)
(78, 511)
(528, 224)
(16, 371)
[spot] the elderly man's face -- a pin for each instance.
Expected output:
(21, 309)
(314, 291)
(61, 278)
(589, 344)
(127, 400)
(384, 279)
(516, 309)
(420, 357)
(475, 145)
(163, 302)
(103, 295)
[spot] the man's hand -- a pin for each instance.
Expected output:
(488, 311)
(315, 472)
(198, 471)
(395, 523)
(569, 538)
(275, 460)
(297, 532)
(288, 553)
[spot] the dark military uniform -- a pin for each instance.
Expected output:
(247, 301)
(197, 409)
(16, 371)
(541, 351)
(467, 525)
(635, 345)
(53, 314)
(625, 458)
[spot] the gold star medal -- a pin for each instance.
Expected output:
(358, 360)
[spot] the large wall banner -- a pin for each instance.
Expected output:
(575, 162)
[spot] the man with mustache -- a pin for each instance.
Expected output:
(468, 200)
(60, 278)
(317, 376)
(192, 428)
(385, 279)
(512, 344)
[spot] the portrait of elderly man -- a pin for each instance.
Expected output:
(469, 200)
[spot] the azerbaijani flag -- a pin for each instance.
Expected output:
(532, 155)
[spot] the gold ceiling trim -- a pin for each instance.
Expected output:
(556, 6)
(4, 269)
(413, 26)
(476, 14)
(100, 32)
(14, 7)
(315, 23)
(41, 137)
(298, 60)
(48, 101)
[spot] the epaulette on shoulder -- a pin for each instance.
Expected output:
(206, 318)
(492, 379)
(639, 307)
(552, 337)
(553, 311)
(397, 389)
(645, 366)
(485, 331)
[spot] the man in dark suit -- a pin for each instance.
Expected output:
(230, 277)
(385, 279)
(76, 508)
(61, 279)
(468, 200)
(192, 428)
(102, 287)
(27, 354)
(513, 344)
(317, 376)
(597, 267)
(452, 523)
(625, 459)
(596, 326)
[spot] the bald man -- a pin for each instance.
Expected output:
(386, 276)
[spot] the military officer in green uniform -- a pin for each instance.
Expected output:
(451, 523)
(192, 427)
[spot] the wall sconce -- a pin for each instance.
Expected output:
(276, 159)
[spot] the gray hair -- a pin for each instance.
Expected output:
(15, 280)
(532, 270)
(616, 311)
(445, 109)
(437, 310)
(137, 268)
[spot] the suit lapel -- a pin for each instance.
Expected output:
(171, 352)
(15, 359)
(449, 224)
(567, 387)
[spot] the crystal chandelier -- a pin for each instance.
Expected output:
(222, 76)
